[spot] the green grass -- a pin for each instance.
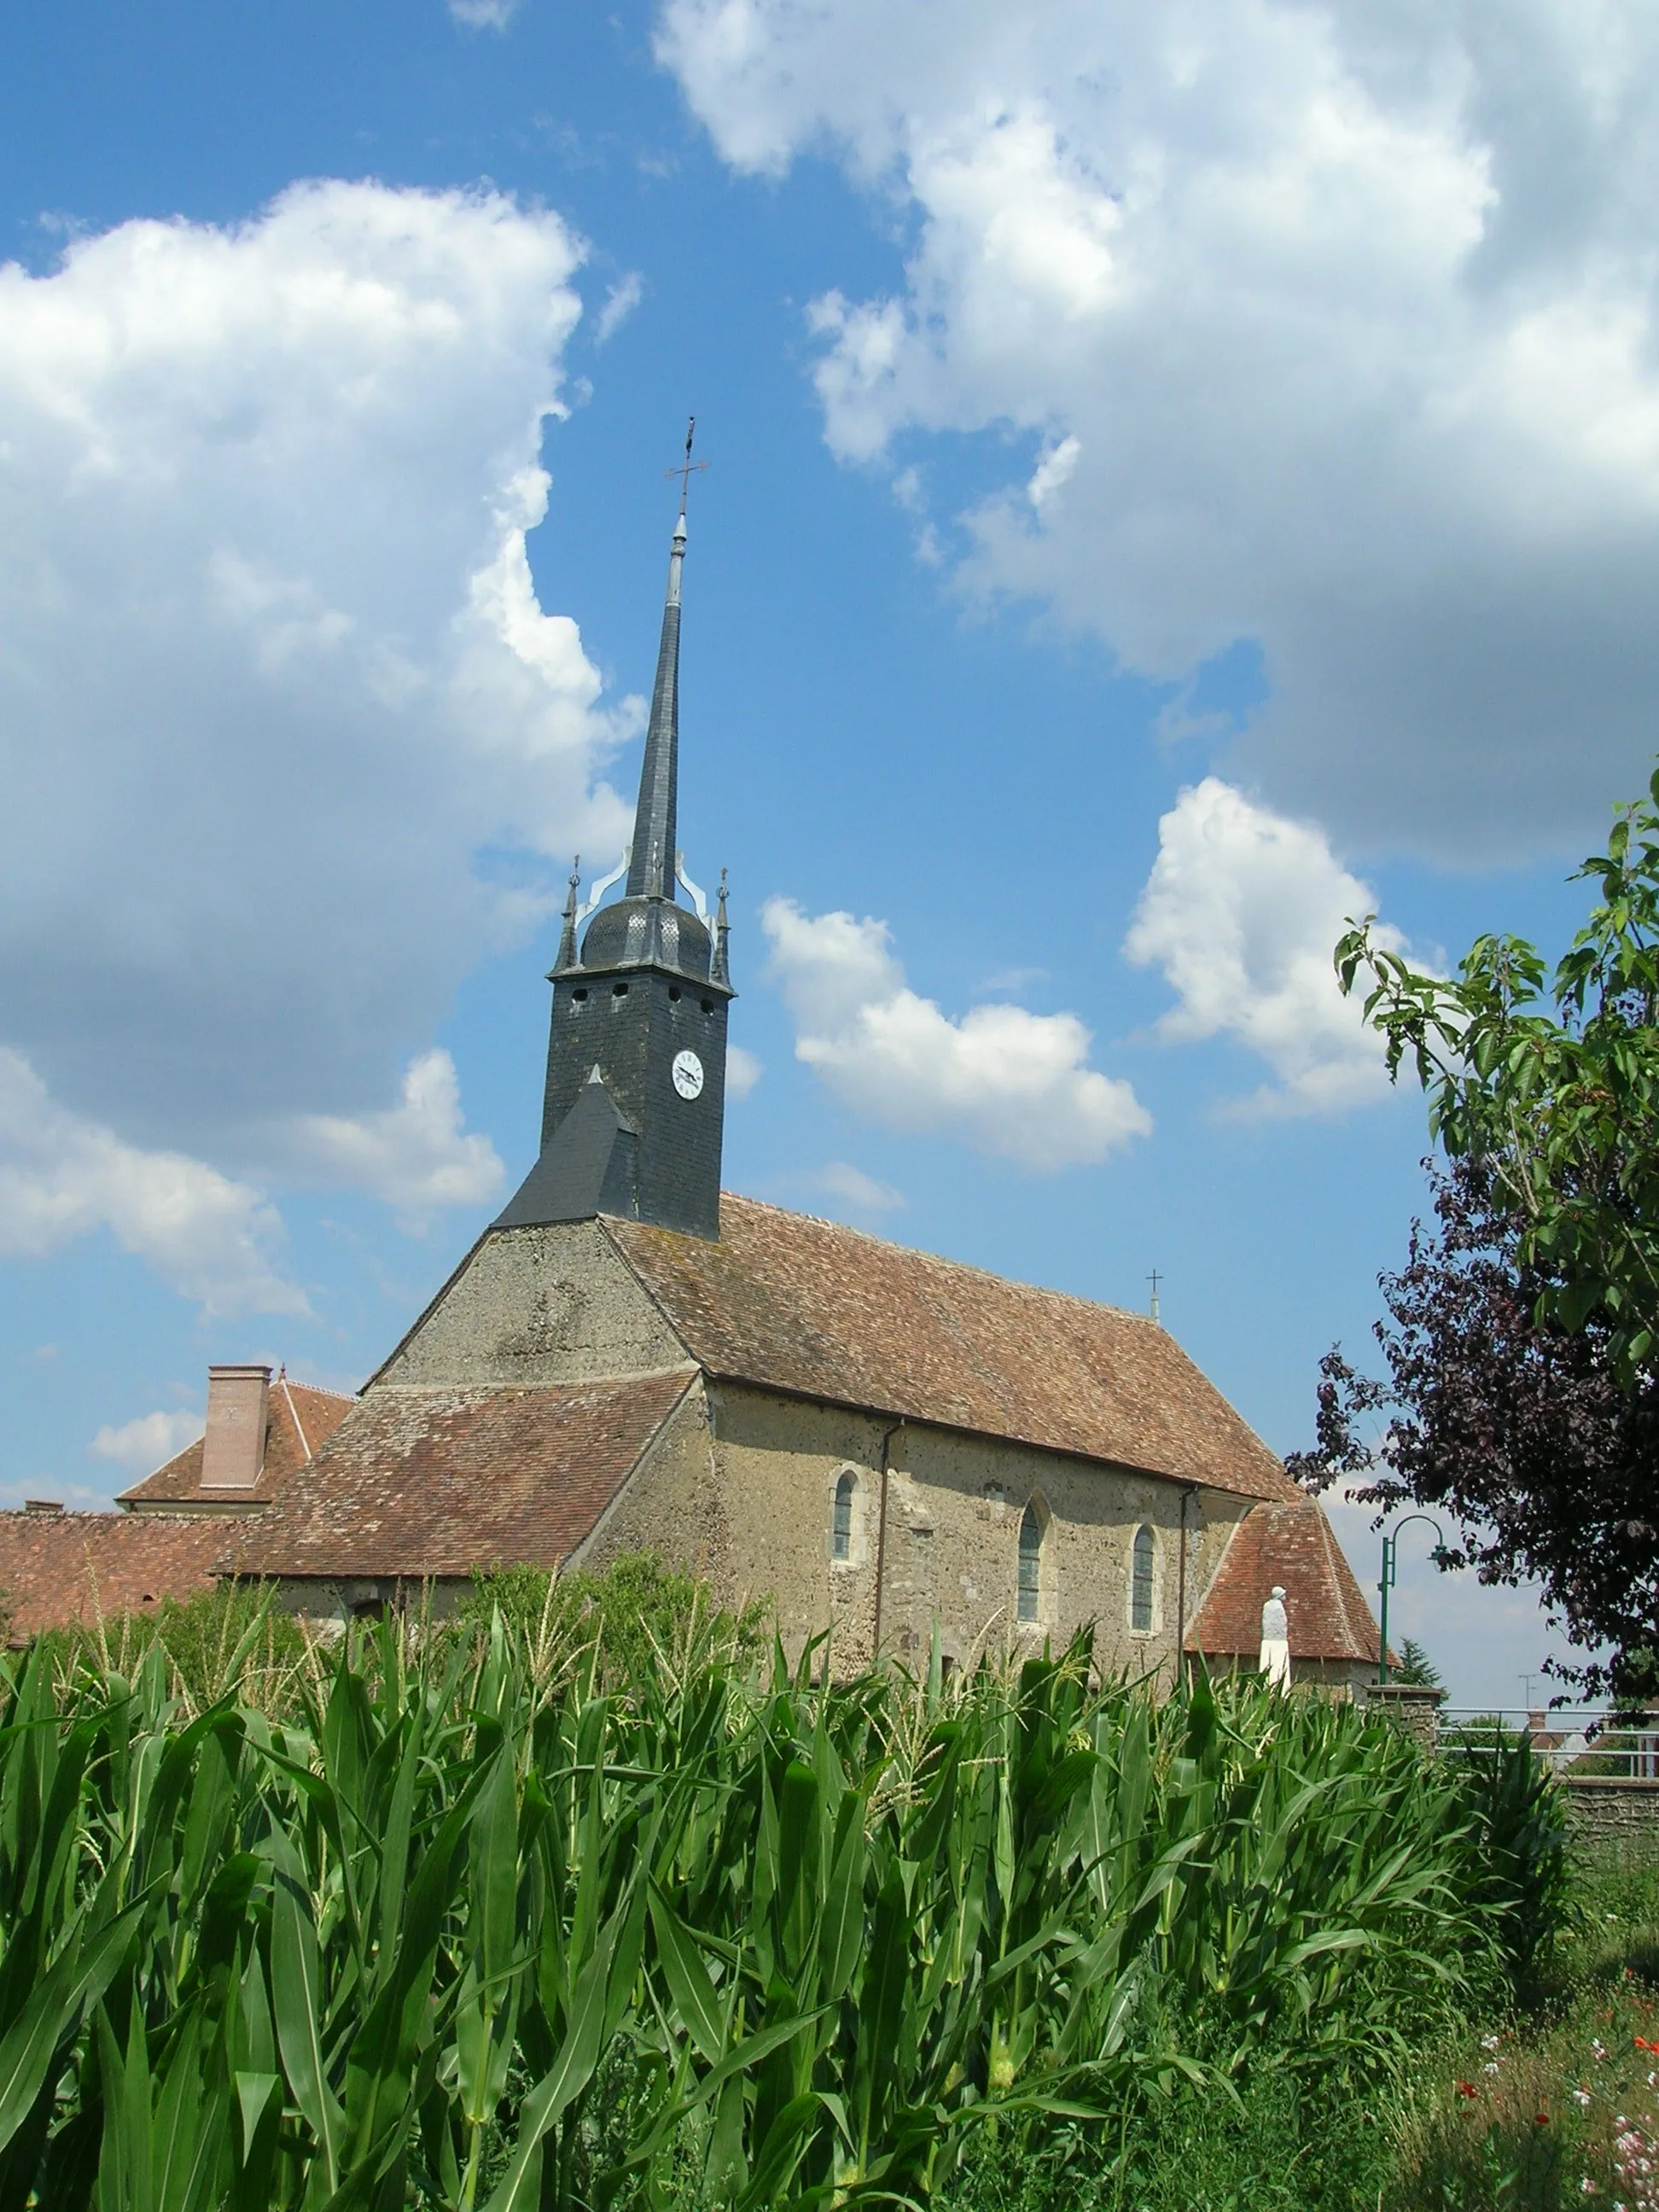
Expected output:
(1511, 2109)
(1275, 2145)
(1522, 2115)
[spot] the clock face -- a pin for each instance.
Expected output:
(687, 1074)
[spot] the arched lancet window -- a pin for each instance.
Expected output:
(841, 1520)
(1141, 1579)
(1029, 1595)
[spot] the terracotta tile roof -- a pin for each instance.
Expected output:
(297, 1416)
(56, 1568)
(804, 1305)
(435, 1482)
(1294, 1545)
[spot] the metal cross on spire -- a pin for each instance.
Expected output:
(687, 468)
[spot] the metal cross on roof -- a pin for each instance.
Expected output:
(687, 468)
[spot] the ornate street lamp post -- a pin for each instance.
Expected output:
(1390, 1569)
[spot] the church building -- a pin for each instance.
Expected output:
(883, 1442)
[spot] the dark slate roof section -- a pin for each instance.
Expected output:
(646, 927)
(656, 817)
(586, 1167)
(59, 1568)
(1296, 1546)
(420, 1483)
(299, 1418)
(793, 1304)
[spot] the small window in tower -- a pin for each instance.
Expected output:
(841, 1520)
(580, 997)
(674, 994)
(1143, 1559)
(1030, 1594)
(619, 990)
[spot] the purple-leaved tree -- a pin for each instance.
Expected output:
(1537, 1440)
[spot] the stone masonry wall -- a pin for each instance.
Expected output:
(550, 1304)
(1411, 1706)
(673, 1506)
(954, 1507)
(1615, 1811)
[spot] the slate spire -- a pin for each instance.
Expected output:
(651, 870)
(634, 1108)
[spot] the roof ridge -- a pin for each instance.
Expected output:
(1332, 1575)
(1342, 1575)
(59, 1515)
(686, 1366)
(1235, 1536)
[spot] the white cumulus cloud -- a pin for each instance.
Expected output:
(620, 302)
(63, 1175)
(1241, 911)
(1011, 1083)
(273, 671)
(743, 1071)
(849, 1187)
(148, 1440)
(416, 1155)
(1331, 326)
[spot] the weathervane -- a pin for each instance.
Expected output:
(687, 468)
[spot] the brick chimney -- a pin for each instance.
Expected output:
(233, 1450)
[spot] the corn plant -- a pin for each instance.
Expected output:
(476, 1922)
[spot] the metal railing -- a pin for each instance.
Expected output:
(1580, 1741)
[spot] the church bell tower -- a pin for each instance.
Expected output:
(633, 1110)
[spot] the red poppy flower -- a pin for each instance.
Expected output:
(1540, 2119)
(1467, 2089)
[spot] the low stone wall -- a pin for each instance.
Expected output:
(1409, 1706)
(1614, 1810)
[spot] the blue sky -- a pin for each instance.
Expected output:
(1174, 479)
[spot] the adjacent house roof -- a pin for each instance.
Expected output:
(1293, 1545)
(795, 1303)
(424, 1482)
(58, 1568)
(299, 1419)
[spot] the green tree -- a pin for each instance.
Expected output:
(1415, 1667)
(1550, 1083)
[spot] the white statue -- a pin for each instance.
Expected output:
(1276, 1641)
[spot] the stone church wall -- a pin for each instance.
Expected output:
(672, 1505)
(548, 1305)
(954, 1507)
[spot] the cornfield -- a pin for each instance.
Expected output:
(462, 1921)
